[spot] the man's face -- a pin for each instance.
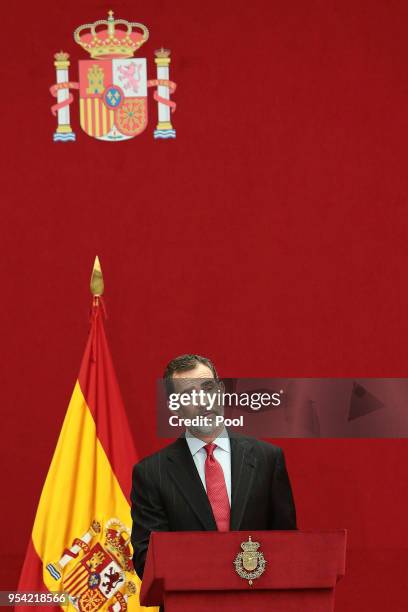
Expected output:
(200, 378)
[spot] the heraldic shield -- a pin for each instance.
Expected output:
(112, 84)
(250, 564)
(113, 98)
(96, 571)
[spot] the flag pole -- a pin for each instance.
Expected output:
(84, 511)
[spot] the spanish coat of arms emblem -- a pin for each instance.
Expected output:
(113, 84)
(250, 564)
(96, 571)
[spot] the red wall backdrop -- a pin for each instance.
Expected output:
(270, 236)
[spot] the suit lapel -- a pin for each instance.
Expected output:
(243, 464)
(183, 471)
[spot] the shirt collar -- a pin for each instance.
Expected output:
(195, 444)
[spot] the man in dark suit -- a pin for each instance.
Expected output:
(207, 479)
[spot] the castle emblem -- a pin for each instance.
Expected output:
(113, 84)
(250, 564)
(96, 570)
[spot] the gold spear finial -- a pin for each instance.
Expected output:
(97, 285)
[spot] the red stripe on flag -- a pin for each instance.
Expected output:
(31, 578)
(100, 388)
(80, 589)
(75, 578)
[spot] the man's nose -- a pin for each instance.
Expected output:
(203, 404)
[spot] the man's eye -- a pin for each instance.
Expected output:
(210, 386)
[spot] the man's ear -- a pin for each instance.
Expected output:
(221, 386)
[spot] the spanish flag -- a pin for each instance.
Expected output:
(80, 541)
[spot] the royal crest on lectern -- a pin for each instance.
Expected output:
(113, 84)
(250, 564)
(96, 570)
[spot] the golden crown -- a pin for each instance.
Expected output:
(61, 56)
(250, 546)
(110, 38)
(116, 543)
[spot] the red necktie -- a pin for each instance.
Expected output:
(216, 489)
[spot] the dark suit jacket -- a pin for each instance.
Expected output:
(168, 494)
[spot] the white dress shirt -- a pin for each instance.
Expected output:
(222, 453)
